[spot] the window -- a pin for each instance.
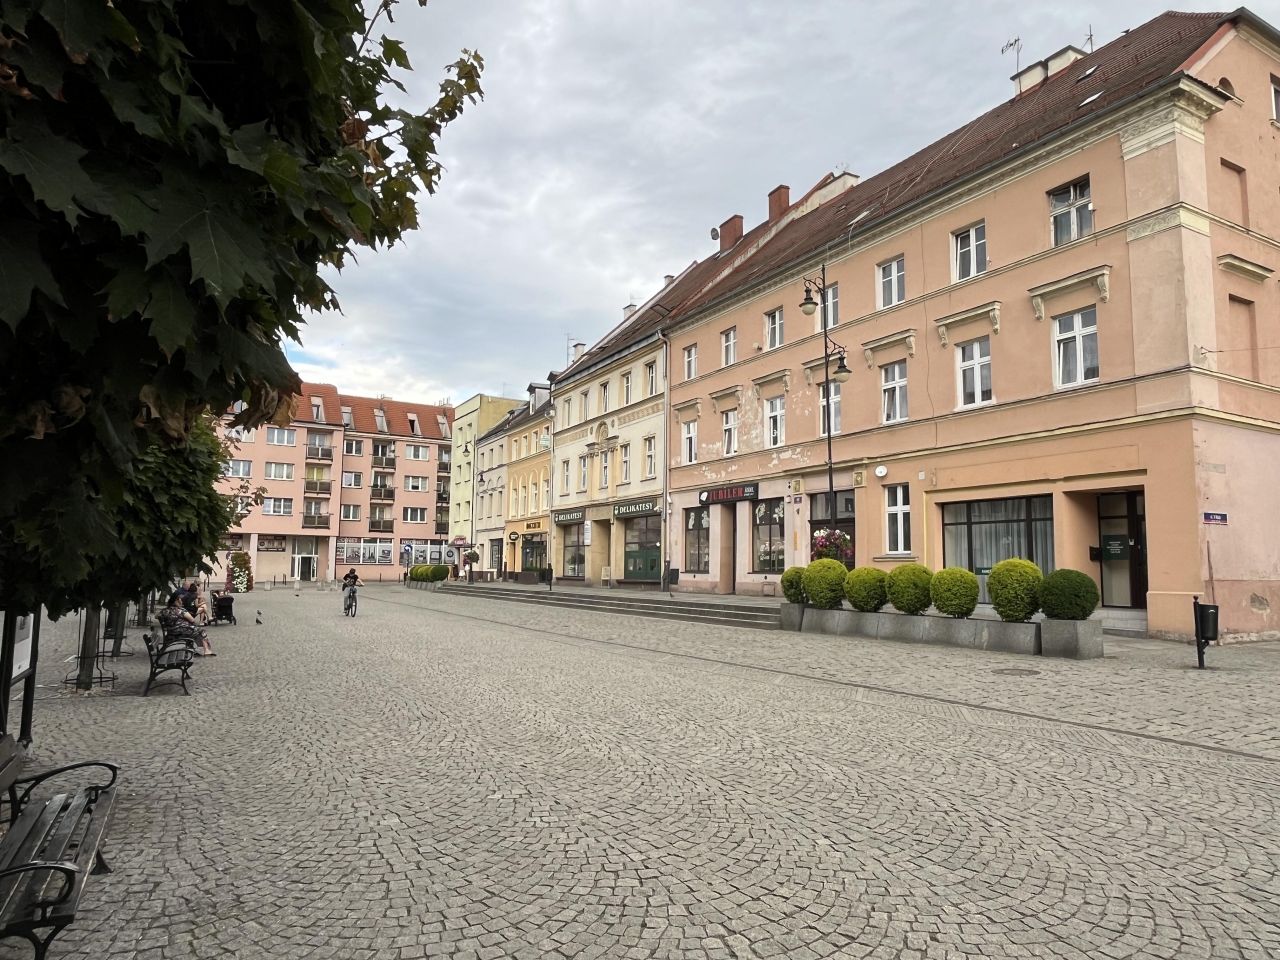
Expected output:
(831, 301)
(524, 500)
(278, 471)
(383, 481)
(585, 397)
(626, 389)
(773, 334)
(1070, 212)
(351, 511)
(828, 410)
(417, 484)
(568, 410)
(820, 520)
(604, 469)
(729, 346)
(575, 550)
(367, 551)
(729, 429)
(414, 451)
(697, 540)
(281, 436)
(582, 473)
(624, 463)
(546, 493)
(415, 514)
(564, 476)
(380, 420)
(237, 468)
(413, 425)
(604, 398)
(767, 546)
(897, 498)
(350, 479)
(650, 459)
(974, 381)
(1076, 347)
(689, 441)
(317, 411)
(353, 448)
(970, 245)
(277, 506)
(691, 361)
(651, 378)
(346, 418)
(893, 282)
(775, 418)
(1275, 98)
(978, 534)
(242, 434)
(315, 508)
(893, 388)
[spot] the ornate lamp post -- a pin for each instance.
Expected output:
(840, 374)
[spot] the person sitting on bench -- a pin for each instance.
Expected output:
(176, 622)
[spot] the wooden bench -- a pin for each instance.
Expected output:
(50, 848)
(168, 653)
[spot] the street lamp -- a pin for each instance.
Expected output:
(808, 306)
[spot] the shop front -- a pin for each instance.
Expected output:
(529, 543)
(641, 522)
(572, 540)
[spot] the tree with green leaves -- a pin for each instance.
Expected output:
(175, 176)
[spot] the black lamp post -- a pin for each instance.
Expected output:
(840, 374)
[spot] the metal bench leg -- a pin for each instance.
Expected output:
(39, 944)
(100, 863)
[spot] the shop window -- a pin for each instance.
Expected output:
(697, 540)
(820, 523)
(978, 534)
(574, 551)
(767, 545)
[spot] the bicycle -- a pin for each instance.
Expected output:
(349, 603)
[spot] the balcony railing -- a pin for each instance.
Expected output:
(387, 463)
(380, 526)
(442, 466)
(319, 453)
(318, 486)
(442, 496)
(442, 528)
(382, 493)
(315, 520)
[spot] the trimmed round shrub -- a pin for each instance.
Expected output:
(438, 572)
(415, 573)
(1068, 595)
(864, 587)
(793, 584)
(954, 591)
(907, 586)
(823, 583)
(1014, 586)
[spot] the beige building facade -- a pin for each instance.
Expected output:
(527, 534)
(473, 418)
(1059, 324)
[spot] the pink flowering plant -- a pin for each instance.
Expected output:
(832, 545)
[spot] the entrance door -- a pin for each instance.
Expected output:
(304, 568)
(642, 549)
(1122, 532)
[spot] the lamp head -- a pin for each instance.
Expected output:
(841, 373)
(808, 306)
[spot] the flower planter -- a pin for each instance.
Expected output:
(1075, 639)
(792, 616)
(1008, 637)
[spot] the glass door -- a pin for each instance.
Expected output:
(1122, 538)
(642, 551)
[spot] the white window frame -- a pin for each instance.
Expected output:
(353, 448)
(564, 467)
(691, 361)
(415, 484)
(242, 434)
(729, 431)
(1078, 207)
(775, 334)
(775, 421)
(411, 512)
(414, 451)
(568, 411)
(975, 365)
(626, 388)
(357, 479)
(277, 432)
(897, 506)
(970, 232)
(271, 470)
(1275, 99)
(891, 282)
(604, 397)
(651, 377)
(831, 297)
(650, 458)
(380, 421)
(351, 511)
(835, 408)
(413, 425)
(604, 469)
(271, 506)
(1078, 333)
(624, 463)
(892, 385)
(582, 472)
(585, 397)
(347, 420)
(240, 469)
(729, 347)
(689, 441)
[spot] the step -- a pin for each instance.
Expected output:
(657, 601)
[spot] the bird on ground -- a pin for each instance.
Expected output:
(258, 618)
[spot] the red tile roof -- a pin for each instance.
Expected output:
(362, 412)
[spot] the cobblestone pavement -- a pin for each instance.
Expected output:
(467, 778)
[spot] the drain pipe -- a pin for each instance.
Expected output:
(666, 454)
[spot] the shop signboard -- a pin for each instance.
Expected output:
(637, 508)
(730, 494)
(561, 517)
(271, 544)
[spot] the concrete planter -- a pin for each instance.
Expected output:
(862, 624)
(901, 627)
(1075, 639)
(950, 631)
(1021, 638)
(792, 616)
(833, 622)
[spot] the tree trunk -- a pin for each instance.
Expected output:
(89, 648)
(120, 614)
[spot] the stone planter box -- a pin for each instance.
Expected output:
(900, 627)
(792, 616)
(1021, 638)
(951, 631)
(833, 622)
(1075, 639)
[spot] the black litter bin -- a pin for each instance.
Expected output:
(1207, 622)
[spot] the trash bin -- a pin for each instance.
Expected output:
(1207, 623)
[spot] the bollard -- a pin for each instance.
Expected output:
(551, 577)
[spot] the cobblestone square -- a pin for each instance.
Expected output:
(460, 777)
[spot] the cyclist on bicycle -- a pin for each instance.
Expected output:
(349, 584)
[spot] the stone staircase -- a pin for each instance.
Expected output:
(725, 613)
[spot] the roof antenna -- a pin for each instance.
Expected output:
(1089, 39)
(1016, 46)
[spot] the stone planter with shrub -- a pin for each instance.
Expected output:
(907, 587)
(792, 580)
(1068, 598)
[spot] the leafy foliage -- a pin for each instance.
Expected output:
(954, 591)
(1068, 595)
(864, 587)
(1014, 586)
(174, 177)
(439, 571)
(908, 588)
(833, 545)
(793, 585)
(824, 583)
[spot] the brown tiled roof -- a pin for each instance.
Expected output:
(362, 412)
(1125, 67)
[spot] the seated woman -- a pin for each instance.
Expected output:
(194, 603)
(176, 622)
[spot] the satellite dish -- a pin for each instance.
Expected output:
(715, 233)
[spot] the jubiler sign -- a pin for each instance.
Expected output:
(741, 491)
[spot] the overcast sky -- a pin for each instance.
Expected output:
(613, 136)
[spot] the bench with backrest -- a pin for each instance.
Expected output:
(49, 849)
(168, 653)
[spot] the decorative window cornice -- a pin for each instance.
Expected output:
(1245, 268)
(782, 376)
(892, 340)
(726, 398)
(987, 311)
(687, 409)
(1099, 277)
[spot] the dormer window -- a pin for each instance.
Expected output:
(413, 425)
(380, 420)
(346, 418)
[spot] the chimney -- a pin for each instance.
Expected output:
(1028, 77)
(1063, 59)
(628, 310)
(666, 280)
(779, 200)
(577, 350)
(730, 232)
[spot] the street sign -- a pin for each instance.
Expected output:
(1216, 518)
